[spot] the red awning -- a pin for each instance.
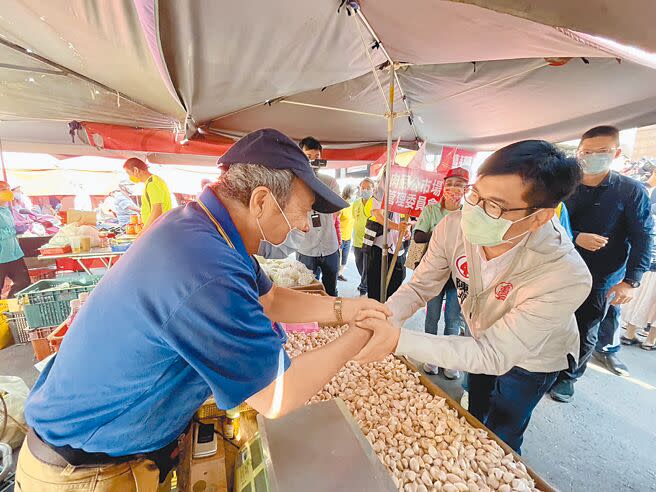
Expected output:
(117, 137)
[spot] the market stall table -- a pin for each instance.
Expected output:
(105, 255)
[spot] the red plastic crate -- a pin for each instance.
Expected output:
(37, 274)
(62, 250)
(71, 265)
(40, 344)
(55, 338)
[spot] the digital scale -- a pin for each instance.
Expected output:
(318, 447)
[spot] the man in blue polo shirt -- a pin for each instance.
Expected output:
(185, 314)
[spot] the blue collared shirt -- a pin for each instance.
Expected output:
(617, 209)
(176, 319)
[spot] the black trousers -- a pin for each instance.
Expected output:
(588, 317)
(16, 271)
(374, 258)
(362, 263)
(325, 268)
(608, 327)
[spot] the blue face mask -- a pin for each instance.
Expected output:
(597, 163)
(290, 244)
(366, 194)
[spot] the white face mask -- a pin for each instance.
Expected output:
(597, 163)
(290, 244)
(481, 229)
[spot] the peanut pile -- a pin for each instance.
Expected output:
(421, 440)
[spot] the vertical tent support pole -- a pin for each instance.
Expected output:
(2, 161)
(388, 168)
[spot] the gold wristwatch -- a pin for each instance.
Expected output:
(337, 307)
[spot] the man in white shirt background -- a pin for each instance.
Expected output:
(319, 250)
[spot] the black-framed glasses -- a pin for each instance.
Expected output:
(491, 208)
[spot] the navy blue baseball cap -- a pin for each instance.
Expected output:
(273, 149)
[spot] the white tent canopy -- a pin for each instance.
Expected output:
(466, 75)
(43, 174)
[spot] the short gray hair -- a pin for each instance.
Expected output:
(239, 181)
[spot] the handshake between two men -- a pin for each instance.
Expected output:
(373, 318)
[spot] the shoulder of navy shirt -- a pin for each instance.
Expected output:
(611, 210)
(176, 319)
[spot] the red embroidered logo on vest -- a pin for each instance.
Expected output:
(502, 290)
(461, 265)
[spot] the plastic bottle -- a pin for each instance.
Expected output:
(228, 428)
(231, 424)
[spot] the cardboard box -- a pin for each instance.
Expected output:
(81, 217)
(207, 474)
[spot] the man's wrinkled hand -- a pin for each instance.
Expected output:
(384, 339)
(352, 307)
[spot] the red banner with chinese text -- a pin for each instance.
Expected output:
(412, 189)
(456, 157)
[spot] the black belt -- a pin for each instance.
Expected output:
(165, 458)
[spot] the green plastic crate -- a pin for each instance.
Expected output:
(78, 278)
(48, 302)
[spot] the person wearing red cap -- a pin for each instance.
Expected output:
(454, 189)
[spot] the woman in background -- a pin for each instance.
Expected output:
(454, 189)
(12, 264)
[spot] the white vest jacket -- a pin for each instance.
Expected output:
(526, 316)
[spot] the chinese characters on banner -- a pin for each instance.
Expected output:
(412, 189)
(455, 157)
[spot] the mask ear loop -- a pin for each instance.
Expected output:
(283, 213)
(260, 228)
(523, 233)
(283, 216)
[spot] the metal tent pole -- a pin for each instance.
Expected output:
(2, 161)
(388, 167)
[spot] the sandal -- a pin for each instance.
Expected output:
(629, 341)
(644, 346)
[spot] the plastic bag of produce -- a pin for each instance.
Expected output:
(286, 272)
(14, 392)
(63, 237)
